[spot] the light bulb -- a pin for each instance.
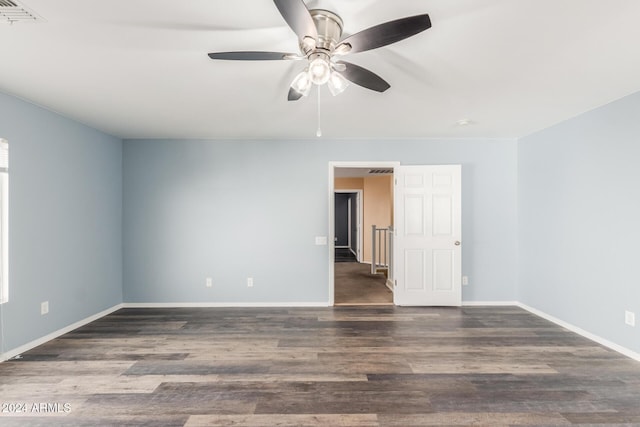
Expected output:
(319, 71)
(337, 83)
(302, 83)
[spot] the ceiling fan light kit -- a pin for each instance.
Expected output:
(319, 33)
(337, 83)
(302, 83)
(319, 69)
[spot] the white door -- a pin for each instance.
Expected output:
(427, 236)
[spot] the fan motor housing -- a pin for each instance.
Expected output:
(329, 26)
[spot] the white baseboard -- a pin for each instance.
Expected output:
(222, 304)
(488, 303)
(613, 346)
(389, 284)
(30, 345)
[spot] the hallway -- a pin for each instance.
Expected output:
(355, 285)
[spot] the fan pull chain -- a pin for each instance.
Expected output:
(319, 131)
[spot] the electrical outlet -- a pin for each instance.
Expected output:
(44, 307)
(209, 282)
(630, 318)
(465, 280)
(250, 282)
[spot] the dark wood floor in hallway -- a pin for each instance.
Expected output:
(343, 366)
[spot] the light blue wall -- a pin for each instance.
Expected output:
(550, 220)
(65, 221)
(237, 209)
(579, 220)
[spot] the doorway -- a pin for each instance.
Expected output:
(426, 241)
(361, 196)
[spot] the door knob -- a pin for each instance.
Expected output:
(457, 243)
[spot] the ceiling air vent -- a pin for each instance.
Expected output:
(380, 171)
(11, 12)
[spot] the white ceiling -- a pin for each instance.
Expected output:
(139, 68)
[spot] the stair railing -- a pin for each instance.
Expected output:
(381, 249)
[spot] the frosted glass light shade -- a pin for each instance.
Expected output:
(319, 71)
(302, 83)
(337, 83)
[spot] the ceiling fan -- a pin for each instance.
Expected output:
(319, 33)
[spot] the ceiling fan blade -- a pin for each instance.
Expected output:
(252, 56)
(385, 34)
(363, 77)
(296, 14)
(294, 95)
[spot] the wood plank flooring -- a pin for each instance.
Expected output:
(342, 366)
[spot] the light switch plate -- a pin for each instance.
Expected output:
(321, 240)
(630, 318)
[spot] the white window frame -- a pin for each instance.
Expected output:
(4, 221)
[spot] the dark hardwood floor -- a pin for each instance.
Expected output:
(344, 366)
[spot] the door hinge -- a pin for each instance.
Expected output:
(395, 283)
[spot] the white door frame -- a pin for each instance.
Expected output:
(332, 225)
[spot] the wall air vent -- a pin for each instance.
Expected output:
(11, 12)
(380, 171)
